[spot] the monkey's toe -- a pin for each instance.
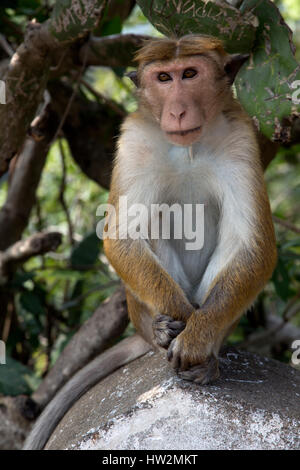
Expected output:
(165, 329)
(203, 373)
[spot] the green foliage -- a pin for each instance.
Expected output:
(177, 18)
(55, 294)
(67, 22)
(86, 252)
(16, 379)
(264, 86)
(14, 15)
(113, 26)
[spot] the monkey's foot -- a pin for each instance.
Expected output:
(165, 329)
(189, 364)
(203, 374)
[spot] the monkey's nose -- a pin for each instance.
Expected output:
(178, 115)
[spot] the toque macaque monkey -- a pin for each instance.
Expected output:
(189, 143)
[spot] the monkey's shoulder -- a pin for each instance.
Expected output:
(138, 130)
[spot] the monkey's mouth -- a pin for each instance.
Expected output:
(183, 133)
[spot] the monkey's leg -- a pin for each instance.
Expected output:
(195, 350)
(141, 271)
(160, 331)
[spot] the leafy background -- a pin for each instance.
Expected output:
(56, 293)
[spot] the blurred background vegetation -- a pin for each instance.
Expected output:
(54, 294)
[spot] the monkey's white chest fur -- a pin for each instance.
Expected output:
(155, 172)
(168, 175)
(188, 181)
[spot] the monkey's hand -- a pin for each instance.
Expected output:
(191, 352)
(165, 329)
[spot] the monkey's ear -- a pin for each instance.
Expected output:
(133, 76)
(234, 64)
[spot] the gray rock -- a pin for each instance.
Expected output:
(144, 405)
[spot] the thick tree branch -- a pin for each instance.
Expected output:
(96, 334)
(21, 195)
(29, 67)
(37, 244)
(91, 129)
(111, 51)
(268, 149)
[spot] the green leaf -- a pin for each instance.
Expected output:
(86, 252)
(264, 84)
(20, 278)
(71, 20)
(15, 378)
(221, 20)
(32, 302)
(282, 280)
(113, 26)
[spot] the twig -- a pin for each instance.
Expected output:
(62, 192)
(291, 309)
(7, 321)
(16, 29)
(19, 252)
(287, 224)
(68, 107)
(77, 300)
(112, 104)
(6, 46)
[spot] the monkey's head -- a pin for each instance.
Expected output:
(184, 84)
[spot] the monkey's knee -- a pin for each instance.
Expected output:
(165, 329)
(141, 317)
(204, 373)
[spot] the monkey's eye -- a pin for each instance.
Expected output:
(163, 77)
(189, 73)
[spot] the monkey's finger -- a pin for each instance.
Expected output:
(202, 373)
(164, 321)
(177, 326)
(162, 318)
(173, 357)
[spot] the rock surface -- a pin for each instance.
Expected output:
(144, 405)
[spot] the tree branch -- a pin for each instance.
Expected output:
(111, 51)
(286, 224)
(37, 244)
(96, 334)
(90, 129)
(21, 194)
(29, 67)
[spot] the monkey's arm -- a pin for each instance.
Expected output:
(140, 269)
(242, 263)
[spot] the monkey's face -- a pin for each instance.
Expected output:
(184, 96)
